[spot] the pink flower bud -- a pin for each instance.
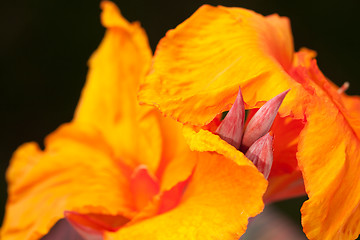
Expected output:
(261, 154)
(231, 128)
(262, 121)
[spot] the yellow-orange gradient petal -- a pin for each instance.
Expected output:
(329, 156)
(86, 164)
(69, 175)
(219, 49)
(204, 141)
(109, 99)
(216, 205)
(177, 160)
(214, 52)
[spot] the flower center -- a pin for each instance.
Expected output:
(255, 140)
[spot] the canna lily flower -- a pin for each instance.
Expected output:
(316, 133)
(119, 170)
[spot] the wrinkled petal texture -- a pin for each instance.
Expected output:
(108, 101)
(219, 49)
(216, 205)
(214, 52)
(203, 141)
(70, 175)
(329, 154)
(86, 164)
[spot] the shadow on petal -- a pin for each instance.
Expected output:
(62, 230)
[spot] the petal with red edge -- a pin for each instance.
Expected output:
(63, 230)
(143, 186)
(285, 186)
(171, 198)
(205, 141)
(216, 204)
(93, 226)
(85, 227)
(177, 162)
(178, 169)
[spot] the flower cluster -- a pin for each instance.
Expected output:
(191, 143)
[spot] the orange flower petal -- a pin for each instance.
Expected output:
(327, 155)
(217, 203)
(171, 198)
(91, 226)
(143, 186)
(69, 175)
(218, 49)
(286, 137)
(109, 99)
(214, 52)
(329, 158)
(178, 169)
(205, 141)
(177, 162)
(285, 186)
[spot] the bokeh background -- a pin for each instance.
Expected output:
(45, 45)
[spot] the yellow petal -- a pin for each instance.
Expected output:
(109, 99)
(216, 205)
(69, 175)
(214, 52)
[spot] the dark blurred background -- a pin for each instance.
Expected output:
(45, 45)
